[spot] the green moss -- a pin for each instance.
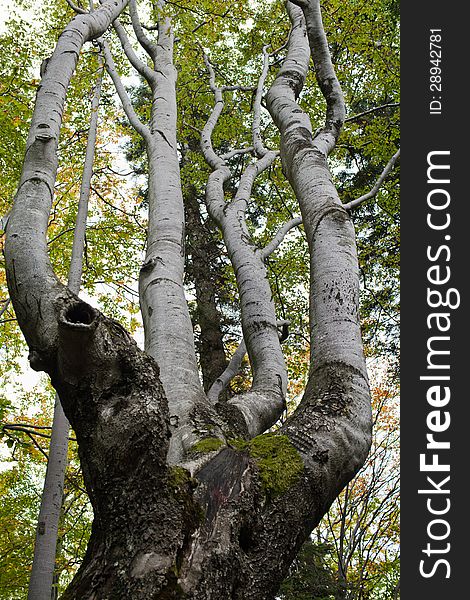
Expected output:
(278, 461)
(182, 485)
(238, 443)
(178, 478)
(208, 444)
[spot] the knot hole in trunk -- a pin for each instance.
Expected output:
(79, 313)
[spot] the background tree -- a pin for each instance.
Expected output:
(260, 377)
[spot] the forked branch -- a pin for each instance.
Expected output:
(262, 406)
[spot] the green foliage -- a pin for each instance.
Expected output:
(18, 514)
(365, 43)
(361, 529)
(22, 470)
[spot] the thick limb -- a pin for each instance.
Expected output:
(331, 427)
(42, 572)
(262, 406)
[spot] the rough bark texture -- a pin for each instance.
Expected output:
(230, 523)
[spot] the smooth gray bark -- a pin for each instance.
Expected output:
(167, 325)
(262, 406)
(332, 442)
(42, 572)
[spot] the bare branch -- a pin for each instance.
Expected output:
(260, 149)
(4, 307)
(373, 192)
(236, 152)
(77, 9)
(235, 362)
(371, 110)
(135, 61)
(264, 403)
(233, 368)
(76, 263)
(251, 173)
(279, 237)
(325, 138)
(212, 158)
(4, 221)
(238, 88)
(33, 441)
(30, 430)
(147, 44)
(134, 120)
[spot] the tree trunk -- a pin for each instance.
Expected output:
(207, 282)
(341, 592)
(223, 518)
(42, 571)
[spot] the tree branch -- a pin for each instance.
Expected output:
(263, 404)
(279, 237)
(233, 368)
(371, 110)
(236, 152)
(337, 366)
(211, 157)
(249, 175)
(4, 220)
(258, 145)
(148, 45)
(32, 283)
(325, 138)
(77, 9)
(4, 307)
(26, 428)
(135, 61)
(373, 192)
(134, 120)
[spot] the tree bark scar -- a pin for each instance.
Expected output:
(37, 180)
(336, 208)
(222, 480)
(159, 131)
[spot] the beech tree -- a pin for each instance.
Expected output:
(193, 495)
